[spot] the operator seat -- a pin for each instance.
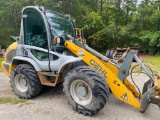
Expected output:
(39, 35)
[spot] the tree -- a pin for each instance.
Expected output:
(107, 23)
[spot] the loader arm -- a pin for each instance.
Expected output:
(115, 77)
(115, 84)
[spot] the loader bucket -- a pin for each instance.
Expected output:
(151, 96)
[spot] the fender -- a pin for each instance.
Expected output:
(25, 59)
(62, 67)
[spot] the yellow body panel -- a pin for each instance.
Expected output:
(158, 86)
(115, 84)
(133, 89)
(158, 82)
(115, 70)
(11, 67)
(3, 69)
(111, 67)
(13, 46)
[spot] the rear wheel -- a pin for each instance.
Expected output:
(85, 90)
(25, 82)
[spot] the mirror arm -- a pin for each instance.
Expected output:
(15, 38)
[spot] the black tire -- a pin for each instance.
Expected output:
(25, 81)
(99, 90)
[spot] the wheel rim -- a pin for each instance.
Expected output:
(21, 83)
(81, 92)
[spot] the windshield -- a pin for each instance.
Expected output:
(59, 25)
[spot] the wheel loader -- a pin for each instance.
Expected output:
(47, 53)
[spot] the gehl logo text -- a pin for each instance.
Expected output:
(98, 67)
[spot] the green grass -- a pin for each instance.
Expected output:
(12, 100)
(1, 59)
(154, 60)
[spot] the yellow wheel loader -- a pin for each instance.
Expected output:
(47, 53)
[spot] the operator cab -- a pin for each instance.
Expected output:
(35, 30)
(39, 27)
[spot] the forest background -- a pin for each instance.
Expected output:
(107, 23)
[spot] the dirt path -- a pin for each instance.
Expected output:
(51, 105)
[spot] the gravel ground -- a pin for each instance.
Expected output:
(51, 105)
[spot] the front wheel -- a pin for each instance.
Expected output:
(25, 82)
(85, 90)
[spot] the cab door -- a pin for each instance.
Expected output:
(35, 41)
(36, 37)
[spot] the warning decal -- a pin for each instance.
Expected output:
(124, 96)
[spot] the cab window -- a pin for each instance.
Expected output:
(34, 29)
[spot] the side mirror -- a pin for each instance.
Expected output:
(15, 38)
(67, 16)
(23, 16)
(58, 40)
